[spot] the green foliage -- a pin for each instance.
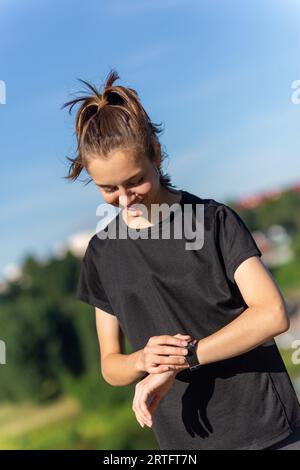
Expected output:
(288, 276)
(283, 211)
(296, 245)
(46, 330)
(93, 392)
(113, 428)
(293, 369)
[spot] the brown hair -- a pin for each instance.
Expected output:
(111, 119)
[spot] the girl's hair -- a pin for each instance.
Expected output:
(111, 119)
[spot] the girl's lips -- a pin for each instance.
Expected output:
(134, 206)
(135, 209)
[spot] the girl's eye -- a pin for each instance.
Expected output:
(132, 184)
(109, 190)
(138, 182)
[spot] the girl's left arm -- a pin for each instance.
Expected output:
(265, 317)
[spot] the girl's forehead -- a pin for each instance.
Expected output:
(120, 164)
(117, 158)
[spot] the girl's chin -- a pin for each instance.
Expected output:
(134, 213)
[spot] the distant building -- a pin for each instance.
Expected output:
(256, 200)
(76, 244)
(275, 245)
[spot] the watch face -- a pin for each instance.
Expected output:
(191, 357)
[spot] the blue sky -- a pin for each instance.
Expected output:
(216, 73)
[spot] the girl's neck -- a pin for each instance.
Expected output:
(165, 196)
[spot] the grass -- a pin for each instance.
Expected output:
(65, 425)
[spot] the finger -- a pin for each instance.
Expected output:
(138, 412)
(165, 350)
(179, 335)
(145, 416)
(142, 408)
(154, 366)
(137, 417)
(139, 421)
(146, 399)
(167, 339)
(173, 361)
(161, 362)
(182, 364)
(171, 351)
(134, 405)
(158, 363)
(142, 420)
(168, 351)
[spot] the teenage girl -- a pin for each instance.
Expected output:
(166, 295)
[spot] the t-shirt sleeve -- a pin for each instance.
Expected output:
(89, 287)
(236, 242)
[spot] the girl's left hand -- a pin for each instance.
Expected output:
(152, 388)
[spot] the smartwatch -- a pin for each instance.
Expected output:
(191, 357)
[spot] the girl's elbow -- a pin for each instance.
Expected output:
(105, 376)
(281, 320)
(109, 381)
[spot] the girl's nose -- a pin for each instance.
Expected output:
(125, 199)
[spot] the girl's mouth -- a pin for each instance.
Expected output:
(134, 208)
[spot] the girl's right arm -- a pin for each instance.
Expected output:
(119, 369)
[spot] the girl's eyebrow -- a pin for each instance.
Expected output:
(111, 185)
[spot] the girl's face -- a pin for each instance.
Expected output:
(123, 180)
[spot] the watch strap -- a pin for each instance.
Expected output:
(191, 357)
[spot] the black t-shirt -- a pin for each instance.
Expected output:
(155, 286)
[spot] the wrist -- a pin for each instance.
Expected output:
(199, 351)
(171, 374)
(138, 363)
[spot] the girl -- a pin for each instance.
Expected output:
(201, 318)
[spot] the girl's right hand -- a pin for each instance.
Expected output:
(163, 353)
